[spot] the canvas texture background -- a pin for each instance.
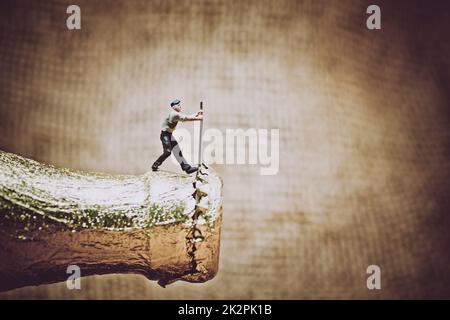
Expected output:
(363, 115)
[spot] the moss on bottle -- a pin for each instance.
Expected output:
(35, 197)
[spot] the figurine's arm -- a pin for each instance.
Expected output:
(194, 117)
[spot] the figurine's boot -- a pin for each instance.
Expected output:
(155, 166)
(188, 169)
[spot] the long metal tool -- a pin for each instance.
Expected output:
(200, 143)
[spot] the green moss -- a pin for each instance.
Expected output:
(158, 214)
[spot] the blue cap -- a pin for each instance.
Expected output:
(175, 102)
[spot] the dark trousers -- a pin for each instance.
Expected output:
(170, 145)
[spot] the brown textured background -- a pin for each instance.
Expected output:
(364, 131)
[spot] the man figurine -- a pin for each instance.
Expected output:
(168, 141)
